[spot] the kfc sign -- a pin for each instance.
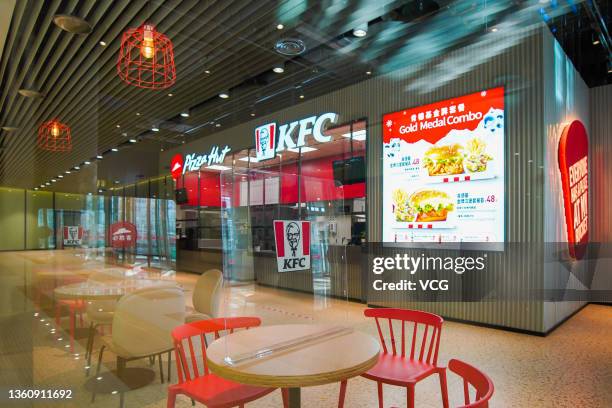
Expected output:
(123, 234)
(73, 236)
(292, 245)
(270, 138)
(574, 168)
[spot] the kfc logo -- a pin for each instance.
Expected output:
(123, 234)
(265, 141)
(73, 236)
(292, 245)
(176, 166)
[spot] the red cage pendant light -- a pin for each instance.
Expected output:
(146, 58)
(54, 136)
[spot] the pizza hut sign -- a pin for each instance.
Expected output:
(123, 234)
(292, 245)
(574, 169)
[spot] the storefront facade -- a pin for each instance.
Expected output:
(539, 100)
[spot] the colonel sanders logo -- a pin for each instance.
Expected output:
(265, 141)
(292, 245)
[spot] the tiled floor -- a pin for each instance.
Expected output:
(572, 367)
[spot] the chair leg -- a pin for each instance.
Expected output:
(443, 387)
(171, 398)
(93, 394)
(285, 394)
(380, 395)
(89, 351)
(342, 394)
(169, 366)
(161, 368)
(121, 399)
(410, 397)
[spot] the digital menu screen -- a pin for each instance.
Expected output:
(443, 171)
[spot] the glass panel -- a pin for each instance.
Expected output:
(12, 203)
(39, 220)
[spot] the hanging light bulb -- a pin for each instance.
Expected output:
(147, 49)
(55, 130)
(54, 136)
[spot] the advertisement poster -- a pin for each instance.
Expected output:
(292, 245)
(73, 236)
(443, 171)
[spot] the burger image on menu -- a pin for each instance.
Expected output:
(444, 160)
(431, 205)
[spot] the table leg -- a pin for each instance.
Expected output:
(295, 398)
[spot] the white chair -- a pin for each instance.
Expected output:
(142, 323)
(206, 296)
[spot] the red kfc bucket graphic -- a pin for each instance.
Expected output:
(123, 234)
(292, 245)
(574, 168)
(265, 141)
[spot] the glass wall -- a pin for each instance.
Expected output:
(12, 222)
(40, 222)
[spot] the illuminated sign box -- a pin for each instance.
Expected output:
(443, 171)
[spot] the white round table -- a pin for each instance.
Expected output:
(293, 356)
(112, 289)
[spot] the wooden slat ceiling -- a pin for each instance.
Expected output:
(233, 40)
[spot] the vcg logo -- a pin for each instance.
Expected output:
(265, 141)
(292, 245)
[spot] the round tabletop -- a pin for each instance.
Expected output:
(112, 289)
(294, 355)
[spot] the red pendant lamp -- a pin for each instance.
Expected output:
(54, 136)
(146, 58)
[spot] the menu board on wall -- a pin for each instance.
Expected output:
(443, 171)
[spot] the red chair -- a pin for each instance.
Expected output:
(477, 379)
(205, 387)
(394, 367)
(74, 307)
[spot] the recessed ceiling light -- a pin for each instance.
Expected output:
(99, 191)
(155, 129)
(217, 125)
(161, 150)
(118, 126)
(280, 26)
(252, 113)
(302, 96)
(137, 113)
(170, 94)
(185, 114)
(47, 184)
(36, 188)
(86, 162)
(279, 69)
(102, 43)
(42, 186)
(60, 176)
(67, 172)
(224, 94)
(53, 180)
(368, 72)
(361, 30)
(494, 30)
(77, 167)
(206, 71)
(595, 41)
(132, 140)
(114, 149)
(99, 157)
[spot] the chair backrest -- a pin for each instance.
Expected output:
(477, 379)
(207, 292)
(144, 319)
(423, 348)
(183, 336)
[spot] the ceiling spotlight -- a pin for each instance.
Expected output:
(53, 180)
(218, 125)
(361, 30)
(302, 96)
(595, 41)
(224, 94)
(86, 162)
(42, 186)
(494, 30)
(77, 167)
(47, 184)
(36, 188)
(100, 191)
(118, 126)
(161, 150)
(279, 69)
(132, 140)
(67, 172)
(253, 114)
(137, 113)
(185, 114)
(102, 43)
(99, 157)
(280, 26)
(206, 71)
(368, 72)
(60, 176)
(114, 149)
(72, 24)
(170, 94)
(155, 129)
